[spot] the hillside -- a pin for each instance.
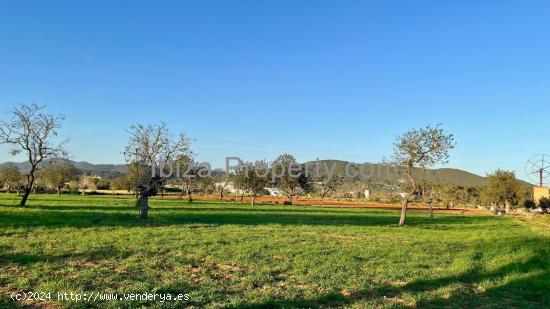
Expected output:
(438, 176)
(455, 176)
(103, 170)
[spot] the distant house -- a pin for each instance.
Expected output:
(229, 187)
(367, 194)
(274, 191)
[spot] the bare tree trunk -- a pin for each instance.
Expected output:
(430, 210)
(143, 203)
(242, 196)
(508, 206)
(28, 187)
(404, 211)
(162, 192)
(322, 199)
(221, 194)
(26, 194)
(182, 191)
(407, 197)
(58, 190)
(189, 197)
(253, 199)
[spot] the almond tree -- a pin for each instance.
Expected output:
(188, 173)
(86, 183)
(10, 177)
(221, 180)
(328, 184)
(290, 176)
(256, 178)
(504, 188)
(239, 181)
(32, 132)
(57, 174)
(420, 149)
(121, 183)
(149, 148)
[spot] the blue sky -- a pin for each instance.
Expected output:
(318, 79)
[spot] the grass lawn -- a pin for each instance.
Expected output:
(236, 256)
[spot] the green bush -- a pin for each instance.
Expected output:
(103, 185)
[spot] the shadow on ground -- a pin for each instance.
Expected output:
(84, 216)
(529, 289)
(530, 279)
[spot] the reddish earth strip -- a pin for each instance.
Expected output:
(329, 203)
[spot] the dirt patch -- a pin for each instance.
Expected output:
(327, 203)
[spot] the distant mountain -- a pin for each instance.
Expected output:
(382, 173)
(103, 170)
(454, 176)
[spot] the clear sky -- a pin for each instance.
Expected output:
(318, 79)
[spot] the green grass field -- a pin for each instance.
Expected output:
(236, 256)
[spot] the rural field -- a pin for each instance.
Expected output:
(233, 255)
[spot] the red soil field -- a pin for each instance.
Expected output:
(327, 203)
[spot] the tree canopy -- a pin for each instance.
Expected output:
(57, 174)
(32, 132)
(503, 188)
(420, 149)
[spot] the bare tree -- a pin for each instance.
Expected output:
(10, 177)
(291, 177)
(239, 181)
(206, 183)
(187, 176)
(121, 183)
(87, 183)
(149, 147)
(420, 149)
(56, 174)
(32, 132)
(221, 187)
(221, 182)
(328, 184)
(257, 178)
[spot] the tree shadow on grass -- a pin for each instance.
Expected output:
(24, 259)
(88, 260)
(197, 207)
(526, 291)
(33, 199)
(13, 200)
(59, 216)
(516, 285)
(106, 209)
